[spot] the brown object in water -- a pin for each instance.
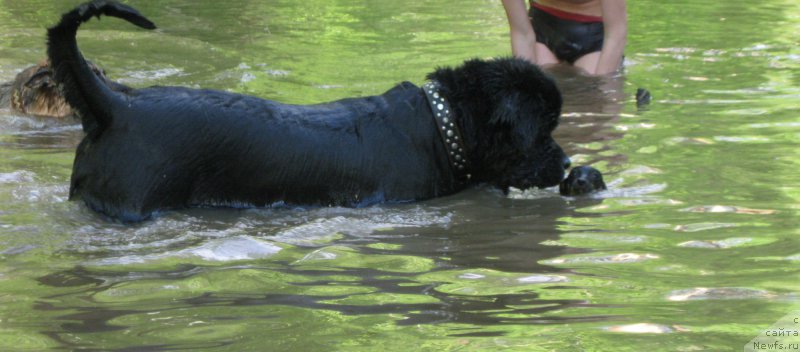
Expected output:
(34, 92)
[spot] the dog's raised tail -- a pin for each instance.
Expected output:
(89, 97)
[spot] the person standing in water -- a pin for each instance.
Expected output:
(589, 34)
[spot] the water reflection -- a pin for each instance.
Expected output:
(474, 258)
(30, 132)
(436, 251)
(592, 105)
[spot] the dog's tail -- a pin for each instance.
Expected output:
(89, 97)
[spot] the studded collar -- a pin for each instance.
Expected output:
(448, 130)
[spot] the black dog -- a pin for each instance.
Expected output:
(582, 180)
(163, 148)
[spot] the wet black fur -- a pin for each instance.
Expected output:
(582, 180)
(162, 148)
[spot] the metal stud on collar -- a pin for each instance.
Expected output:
(448, 130)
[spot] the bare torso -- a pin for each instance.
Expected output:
(583, 7)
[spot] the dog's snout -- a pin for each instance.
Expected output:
(567, 162)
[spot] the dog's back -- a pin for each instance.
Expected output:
(177, 147)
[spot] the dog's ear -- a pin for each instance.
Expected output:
(40, 79)
(512, 108)
(519, 117)
(506, 110)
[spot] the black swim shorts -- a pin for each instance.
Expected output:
(569, 36)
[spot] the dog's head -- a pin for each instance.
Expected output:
(582, 180)
(508, 109)
(35, 92)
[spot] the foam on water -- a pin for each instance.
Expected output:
(140, 77)
(219, 250)
(259, 234)
(19, 176)
(322, 230)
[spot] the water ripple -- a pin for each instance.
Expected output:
(718, 293)
(220, 250)
(621, 258)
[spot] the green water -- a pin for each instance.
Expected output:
(695, 247)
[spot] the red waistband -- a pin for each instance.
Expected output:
(566, 15)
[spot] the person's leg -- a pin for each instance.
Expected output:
(588, 62)
(544, 56)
